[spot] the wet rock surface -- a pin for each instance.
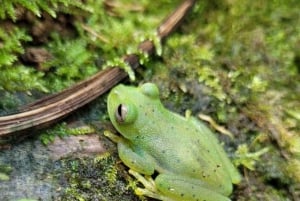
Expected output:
(84, 145)
(36, 168)
(31, 168)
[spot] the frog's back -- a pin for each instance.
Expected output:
(189, 149)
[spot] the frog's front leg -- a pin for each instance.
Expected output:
(179, 188)
(135, 161)
(132, 157)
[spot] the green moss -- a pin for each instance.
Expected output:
(95, 33)
(72, 61)
(245, 56)
(246, 158)
(236, 61)
(5, 171)
(13, 76)
(11, 43)
(97, 178)
(62, 130)
(10, 8)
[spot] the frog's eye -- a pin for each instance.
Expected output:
(125, 113)
(150, 90)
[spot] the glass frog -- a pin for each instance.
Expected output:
(186, 157)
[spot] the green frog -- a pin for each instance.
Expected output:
(181, 153)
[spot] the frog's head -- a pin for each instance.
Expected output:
(129, 108)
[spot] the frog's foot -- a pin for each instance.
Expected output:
(113, 137)
(149, 184)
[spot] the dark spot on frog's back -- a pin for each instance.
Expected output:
(138, 137)
(205, 175)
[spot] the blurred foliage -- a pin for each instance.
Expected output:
(12, 8)
(100, 31)
(5, 171)
(248, 160)
(246, 54)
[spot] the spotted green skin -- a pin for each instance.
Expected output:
(190, 162)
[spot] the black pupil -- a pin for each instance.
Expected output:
(120, 110)
(120, 113)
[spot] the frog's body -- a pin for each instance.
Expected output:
(191, 164)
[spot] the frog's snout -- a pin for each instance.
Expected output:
(114, 94)
(119, 94)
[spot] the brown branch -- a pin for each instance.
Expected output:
(52, 108)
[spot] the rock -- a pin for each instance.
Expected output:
(76, 146)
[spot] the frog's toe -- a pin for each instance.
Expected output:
(113, 137)
(147, 181)
(150, 188)
(148, 193)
